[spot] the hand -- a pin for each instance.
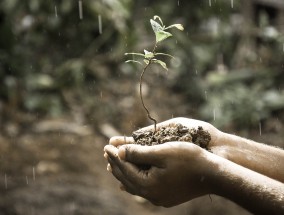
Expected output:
(231, 147)
(177, 171)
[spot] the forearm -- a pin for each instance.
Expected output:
(264, 159)
(251, 190)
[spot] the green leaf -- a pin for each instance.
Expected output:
(164, 54)
(156, 26)
(178, 26)
(162, 63)
(162, 35)
(134, 53)
(148, 54)
(133, 61)
(159, 18)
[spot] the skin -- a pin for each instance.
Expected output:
(238, 169)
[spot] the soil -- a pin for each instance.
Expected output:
(177, 132)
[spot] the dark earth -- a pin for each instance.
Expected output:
(176, 132)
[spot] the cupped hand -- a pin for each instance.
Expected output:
(177, 172)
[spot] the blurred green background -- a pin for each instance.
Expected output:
(228, 55)
(63, 80)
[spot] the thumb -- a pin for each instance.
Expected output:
(138, 154)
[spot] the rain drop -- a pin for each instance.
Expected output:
(210, 3)
(27, 180)
(100, 24)
(33, 173)
(260, 129)
(232, 3)
(80, 9)
(6, 182)
(55, 8)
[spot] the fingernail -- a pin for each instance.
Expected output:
(105, 156)
(113, 140)
(121, 153)
(105, 147)
(109, 168)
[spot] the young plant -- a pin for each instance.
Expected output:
(150, 57)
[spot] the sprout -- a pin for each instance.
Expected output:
(150, 57)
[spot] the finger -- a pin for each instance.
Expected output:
(127, 189)
(126, 171)
(122, 187)
(119, 175)
(113, 158)
(120, 140)
(111, 152)
(105, 155)
(138, 154)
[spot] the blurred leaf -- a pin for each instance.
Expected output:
(133, 61)
(165, 55)
(162, 35)
(134, 53)
(178, 26)
(159, 18)
(156, 26)
(40, 82)
(162, 63)
(50, 104)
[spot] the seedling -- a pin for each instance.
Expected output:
(150, 57)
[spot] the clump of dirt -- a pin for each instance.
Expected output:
(176, 132)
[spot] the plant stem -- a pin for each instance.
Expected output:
(140, 90)
(141, 97)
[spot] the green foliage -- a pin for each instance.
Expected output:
(46, 50)
(46, 42)
(235, 105)
(232, 101)
(159, 29)
(161, 34)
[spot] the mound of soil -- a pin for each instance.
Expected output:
(177, 132)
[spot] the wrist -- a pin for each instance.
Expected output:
(251, 190)
(220, 176)
(218, 145)
(210, 172)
